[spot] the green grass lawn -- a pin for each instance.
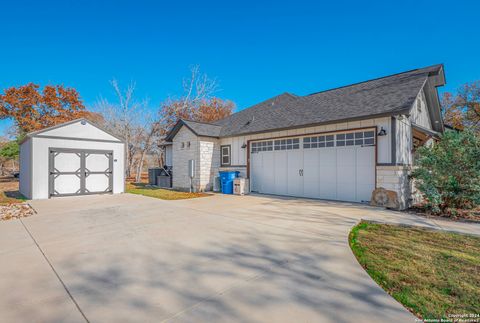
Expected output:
(431, 273)
(160, 193)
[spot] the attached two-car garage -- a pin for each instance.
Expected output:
(74, 158)
(336, 166)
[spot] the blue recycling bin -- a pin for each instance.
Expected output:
(226, 179)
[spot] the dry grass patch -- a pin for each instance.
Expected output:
(160, 193)
(9, 193)
(433, 274)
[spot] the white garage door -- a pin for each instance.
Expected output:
(80, 172)
(333, 166)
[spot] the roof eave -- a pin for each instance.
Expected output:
(402, 111)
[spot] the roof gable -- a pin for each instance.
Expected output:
(201, 129)
(390, 95)
(76, 129)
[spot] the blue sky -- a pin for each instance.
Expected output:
(254, 49)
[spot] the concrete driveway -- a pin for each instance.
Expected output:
(128, 258)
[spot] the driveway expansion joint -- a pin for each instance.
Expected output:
(55, 272)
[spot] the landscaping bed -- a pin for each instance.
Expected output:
(12, 203)
(15, 211)
(453, 215)
(434, 274)
(160, 193)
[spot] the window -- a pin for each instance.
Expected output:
(361, 138)
(287, 144)
(225, 155)
(318, 141)
(262, 146)
(183, 145)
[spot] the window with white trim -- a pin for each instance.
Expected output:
(287, 144)
(262, 146)
(225, 155)
(318, 141)
(360, 138)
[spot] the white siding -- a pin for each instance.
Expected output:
(419, 114)
(403, 151)
(77, 130)
(239, 154)
(26, 168)
(168, 155)
(40, 171)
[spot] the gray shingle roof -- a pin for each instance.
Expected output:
(383, 96)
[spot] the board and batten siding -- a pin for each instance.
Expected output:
(419, 114)
(239, 154)
(404, 138)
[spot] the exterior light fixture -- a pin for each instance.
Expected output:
(382, 132)
(244, 145)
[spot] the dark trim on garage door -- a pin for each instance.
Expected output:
(393, 131)
(82, 172)
(374, 128)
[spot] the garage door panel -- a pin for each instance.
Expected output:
(97, 162)
(268, 172)
(67, 162)
(280, 167)
(328, 173)
(346, 191)
(256, 160)
(295, 180)
(311, 173)
(96, 183)
(67, 184)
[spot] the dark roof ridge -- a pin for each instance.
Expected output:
(202, 122)
(375, 79)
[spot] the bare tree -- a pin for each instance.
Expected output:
(123, 118)
(149, 135)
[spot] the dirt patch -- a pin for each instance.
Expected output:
(9, 193)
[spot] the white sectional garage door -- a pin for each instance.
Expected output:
(332, 166)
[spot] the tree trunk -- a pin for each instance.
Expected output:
(138, 176)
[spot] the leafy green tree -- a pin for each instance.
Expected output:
(448, 172)
(10, 150)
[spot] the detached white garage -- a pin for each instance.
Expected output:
(73, 158)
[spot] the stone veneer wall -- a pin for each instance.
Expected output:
(209, 157)
(181, 156)
(396, 178)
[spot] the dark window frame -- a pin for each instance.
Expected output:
(229, 155)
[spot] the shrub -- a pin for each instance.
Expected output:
(448, 172)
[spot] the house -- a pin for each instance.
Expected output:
(338, 144)
(73, 158)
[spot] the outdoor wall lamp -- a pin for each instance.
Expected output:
(382, 132)
(244, 145)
